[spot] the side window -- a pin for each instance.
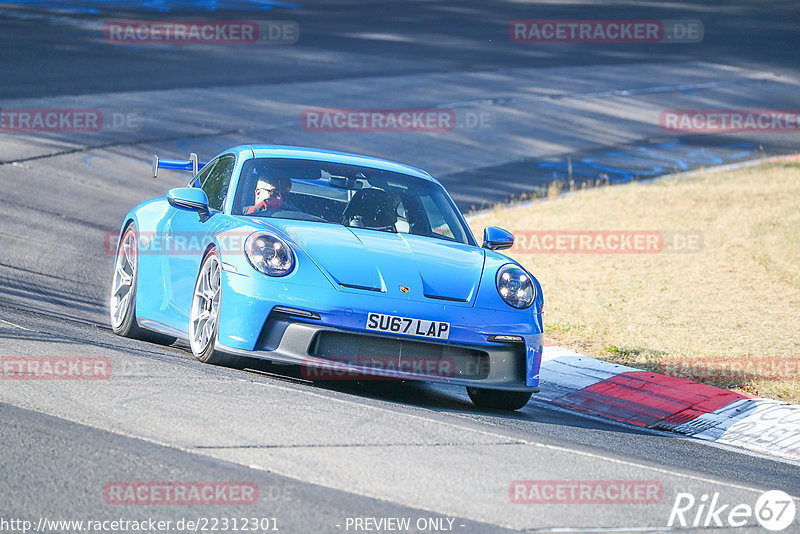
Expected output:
(197, 181)
(215, 184)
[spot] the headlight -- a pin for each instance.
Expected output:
(268, 254)
(515, 286)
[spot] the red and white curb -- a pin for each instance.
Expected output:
(643, 398)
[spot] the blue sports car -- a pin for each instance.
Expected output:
(347, 265)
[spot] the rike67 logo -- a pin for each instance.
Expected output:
(774, 510)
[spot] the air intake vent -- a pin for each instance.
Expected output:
(365, 288)
(414, 357)
(450, 299)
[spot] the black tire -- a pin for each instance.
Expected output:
(207, 353)
(127, 326)
(499, 399)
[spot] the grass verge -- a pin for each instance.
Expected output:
(725, 311)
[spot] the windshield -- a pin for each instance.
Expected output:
(353, 196)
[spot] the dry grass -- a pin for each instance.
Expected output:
(736, 300)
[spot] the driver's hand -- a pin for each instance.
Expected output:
(264, 205)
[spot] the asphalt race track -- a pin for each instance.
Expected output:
(332, 456)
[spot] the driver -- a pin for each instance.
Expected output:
(270, 194)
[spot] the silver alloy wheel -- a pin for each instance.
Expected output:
(205, 306)
(124, 275)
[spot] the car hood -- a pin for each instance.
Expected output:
(370, 260)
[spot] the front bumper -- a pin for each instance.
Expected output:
(333, 341)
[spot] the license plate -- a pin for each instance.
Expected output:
(404, 325)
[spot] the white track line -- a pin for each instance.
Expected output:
(15, 325)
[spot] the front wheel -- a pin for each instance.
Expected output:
(204, 314)
(124, 282)
(499, 399)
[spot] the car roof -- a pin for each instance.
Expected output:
(298, 152)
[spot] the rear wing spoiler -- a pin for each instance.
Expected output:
(178, 164)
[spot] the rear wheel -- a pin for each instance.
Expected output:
(122, 304)
(204, 314)
(499, 399)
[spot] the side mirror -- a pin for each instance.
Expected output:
(190, 198)
(495, 238)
